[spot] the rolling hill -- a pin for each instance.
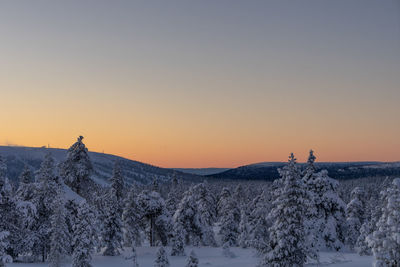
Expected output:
(134, 171)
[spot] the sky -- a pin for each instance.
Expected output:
(203, 83)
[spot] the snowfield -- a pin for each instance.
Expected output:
(210, 256)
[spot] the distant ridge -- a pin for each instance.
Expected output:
(134, 171)
(339, 170)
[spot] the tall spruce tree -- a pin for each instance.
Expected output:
(355, 215)
(84, 236)
(60, 237)
(287, 234)
(112, 225)
(385, 240)
(77, 167)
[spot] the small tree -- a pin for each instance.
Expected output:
(84, 237)
(161, 258)
(385, 240)
(117, 181)
(112, 228)
(60, 239)
(178, 246)
(192, 260)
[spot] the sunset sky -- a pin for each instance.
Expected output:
(209, 83)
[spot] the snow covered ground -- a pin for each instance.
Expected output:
(213, 257)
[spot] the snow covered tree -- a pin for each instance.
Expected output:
(8, 212)
(156, 216)
(178, 245)
(385, 240)
(132, 219)
(362, 246)
(192, 260)
(117, 181)
(47, 188)
(161, 258)
(229, 230)
(84, 236)
(77, 167)
(355, 215)
(206, 211)
(287, 234)
(244, 231)
(4, 258)
(112, 225)
(60, 238)
(325, 214)
(332, 207)
(259, 222)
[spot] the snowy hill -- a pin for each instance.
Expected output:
(134, 171)
(202, 171)
(338, 170)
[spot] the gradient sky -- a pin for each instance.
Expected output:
(203, 83)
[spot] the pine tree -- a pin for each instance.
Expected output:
(132, 218)
(47, 188)
(4, 244)
(60, 238)
(77, 167)
(287, 234)
(178, 246)
(385, 240)
(84, 237)
(192, 260)
(244, 231)
(161, 258)
(112, 228)
(205, 203)
(117, 181)
(8, 212)
(156, 216)
(355, 215)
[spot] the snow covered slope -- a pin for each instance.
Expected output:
(136, 171)
(209, 256)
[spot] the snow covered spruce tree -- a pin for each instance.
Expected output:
(60, 237)
(192, 260)
(4, 244)
(385, 240)
(77, 167)
(132, 219)
(178, 245)
(155, 216)
(244, 232)
(355, 215)
(112, 225)
(229, 218)
(161, 258)
(205, 203)
(84, 237)
(47, 188)
(8, 212)
(117, 181)
(325, 214)
(196, 213)
(174, 195)
(287, 234)
(259, 221)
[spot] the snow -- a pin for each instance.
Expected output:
(213, 257)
